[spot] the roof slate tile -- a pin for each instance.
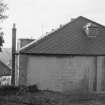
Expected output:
(69, 39)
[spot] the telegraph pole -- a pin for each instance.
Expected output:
(13, 54)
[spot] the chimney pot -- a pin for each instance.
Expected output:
(14, 25)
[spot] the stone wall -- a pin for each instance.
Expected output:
(59, 73)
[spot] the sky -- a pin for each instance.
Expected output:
(33, 18)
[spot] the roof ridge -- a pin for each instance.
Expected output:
(92, 21)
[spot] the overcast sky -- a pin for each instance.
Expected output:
(36, 17)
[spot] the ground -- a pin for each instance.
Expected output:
(52, 98)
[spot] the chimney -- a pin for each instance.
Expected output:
(22, 42)
(91, 30)
(13, 54)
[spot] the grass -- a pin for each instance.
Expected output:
(46, 97)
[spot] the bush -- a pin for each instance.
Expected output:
(18, 90)
(27, 89)
(9, 90)
(33, 88)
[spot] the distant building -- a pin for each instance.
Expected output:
(71, 58)
(20, 43)
(5, 74)
(5, 56)
(23, 42)
(5, 80)
(5, 66)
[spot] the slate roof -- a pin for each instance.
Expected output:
(4, 69)
(6, 56)
(69, 39)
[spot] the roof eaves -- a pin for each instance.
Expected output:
(62, 54)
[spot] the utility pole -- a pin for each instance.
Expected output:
(13, 54)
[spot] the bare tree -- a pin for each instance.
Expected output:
(3, 8)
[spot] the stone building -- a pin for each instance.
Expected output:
(71, 58)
